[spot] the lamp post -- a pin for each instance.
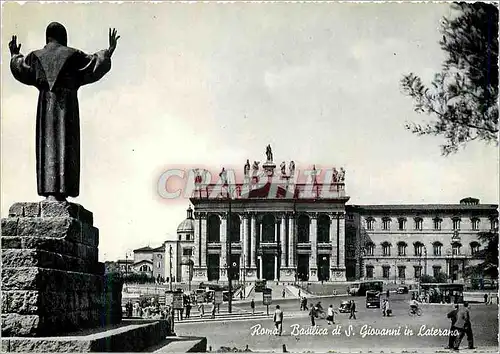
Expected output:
(170, 254)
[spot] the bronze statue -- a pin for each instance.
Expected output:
(269, 153)
(58, 71)
(292, 168)
(283, 168)
(342, 175)
(246, 168)
(255, 167)
(335, 176)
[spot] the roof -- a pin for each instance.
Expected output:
(186, 226)
(144, 261)
(150, 249)
(490, 208)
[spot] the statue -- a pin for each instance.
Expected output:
(292, 168)
(269, 153)
(58, 71)
(283, 167)
(255, 167)
(223, 176)
(246, 168)
(342, 175)
(335, 176)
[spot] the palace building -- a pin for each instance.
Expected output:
(274, 226)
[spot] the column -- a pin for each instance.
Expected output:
(275, 267)
(291, 238)
(203, 246)
(253, 241)
(260, 267)
(313, 235)
(223, 249)
(283, 240)
(197, 240)
(333, 241)
(245, 240)
(342, 240)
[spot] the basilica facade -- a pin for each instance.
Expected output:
(274, 226)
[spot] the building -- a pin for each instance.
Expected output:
(283, 229)
(150, 261)
(179, 253)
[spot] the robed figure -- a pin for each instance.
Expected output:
(58, 71)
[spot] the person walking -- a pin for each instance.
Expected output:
(278, 320)
(463, 326)
(252, 306)
(201, 308)
(299, 293)
(188, 309)
(330, 315)
(452, 315)
(387, 293)
(312, 316)
(283, 293)
(214, 307)
(486, 299)
(304, 303)
(353, 310)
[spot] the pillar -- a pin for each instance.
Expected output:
(333, 241)
(275, 267)
(260, 267)
(253, 240)
(245, 240)
(223, 261)
(197, 239)
(283, 240)
(313, 235)
(203, 238)
(342, 240)
(291, 243)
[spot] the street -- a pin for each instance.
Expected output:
(299, 335)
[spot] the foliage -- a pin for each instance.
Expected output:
(463, 97)
(441, 277)
(489, 254)
(427, 279)
(140, 278)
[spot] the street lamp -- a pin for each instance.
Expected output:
(170, 254)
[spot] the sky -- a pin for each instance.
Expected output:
(211, 85)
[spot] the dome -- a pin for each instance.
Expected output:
(188, 224)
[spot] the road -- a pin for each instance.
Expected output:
(250, 332)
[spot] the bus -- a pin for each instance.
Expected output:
(360, 288)
(449, 293)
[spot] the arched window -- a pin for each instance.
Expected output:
(386, 248)
(402, 224)
(456, 248)
(437, 223)
(419, 247)
(323, 228)
(303, 228)
(235, 228)
(213, 227)
(370, 223)
(268, 228)
(370, 246)
(474, 248)
(418, 223)
(456, 223)
(436, 248)
(386, 223)
(402, 248)
(144, 268)
(474, 223)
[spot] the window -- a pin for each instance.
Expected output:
(159, 256)
(456, 224)
(401, 223)
(494, 223)
(187, 252)
(474, 223)
(401, 272)
(418, 224)
(386, 249)
(158, 265)
(436, 270)
(386, 272)
(437, 223)
(144, 268)
(350, 217)
(419, 246)
(456, 248)
(401, 249)
(370, 222)
(369, 249)
(188, 237)
(418, 271)
(474, 248)
(386, 223)
(369, 272)
(437, 248)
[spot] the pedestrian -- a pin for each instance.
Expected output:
(252, 306)
(299, 293)
(486, 299)
(304, 303)
(283, 292)
(278, 320)
(201, 308)
(388, 310)
(214, 307)
(241, 295)
(330, 315)
(188, 309)
(464, 327)
(387, 293)
(353, 310)
(452, 315)
(312, 316)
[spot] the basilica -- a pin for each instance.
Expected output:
(275, 226)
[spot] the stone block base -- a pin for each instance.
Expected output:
(287, 274)
(131, 336)
(52, 282)
(251, 274)
(337, 275)
(200, 274)
(313, 274)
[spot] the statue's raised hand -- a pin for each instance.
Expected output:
(113, 40)
(14, 48)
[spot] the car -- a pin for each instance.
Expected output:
(345, 307)
(402, 290)
(372, 299)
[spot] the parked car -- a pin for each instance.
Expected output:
(402, 290)
(373, 299)
(345, 307)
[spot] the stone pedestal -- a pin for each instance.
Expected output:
(269, 168)
(313, 274)
(251, 274)
(338, 274)
(52, 282)
(287, 274)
